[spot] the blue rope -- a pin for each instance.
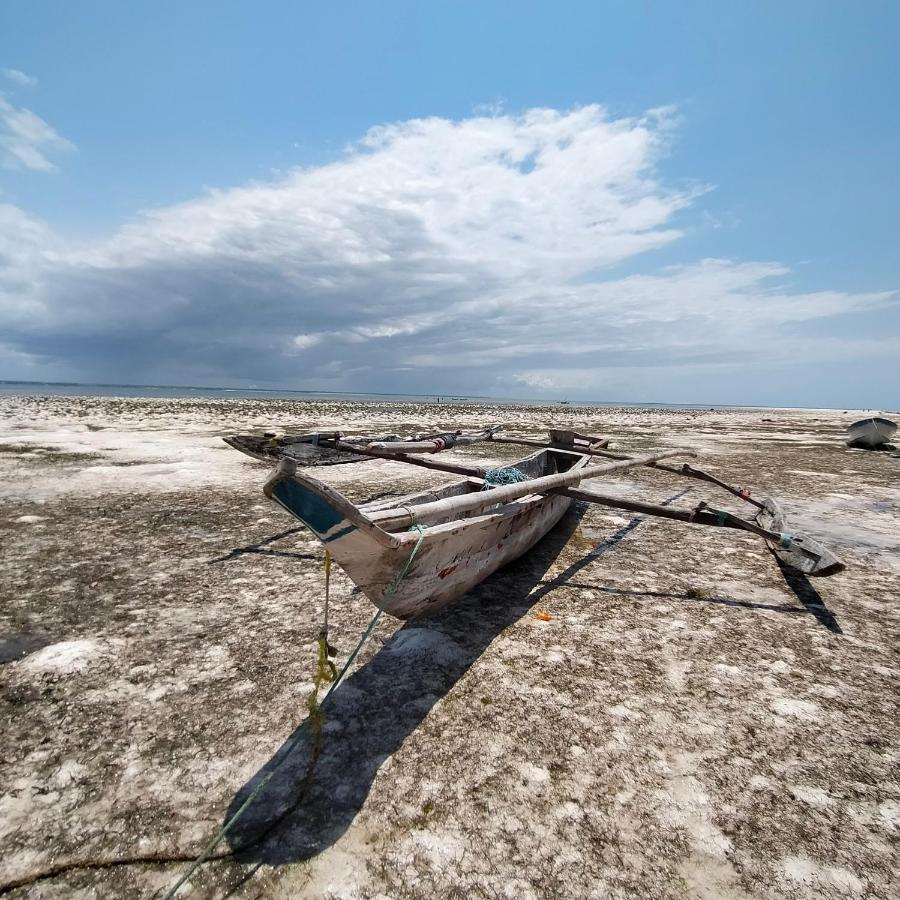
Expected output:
(509, 475)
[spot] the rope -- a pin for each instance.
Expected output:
(327, 591)
(315, 713)
(509, 475)
(722, 517)
(445, 441)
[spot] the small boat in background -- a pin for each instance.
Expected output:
(870, 433)
(332, 448)
(306, 449)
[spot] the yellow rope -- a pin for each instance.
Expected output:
(325, 672)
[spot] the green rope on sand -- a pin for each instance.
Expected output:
(316, 716)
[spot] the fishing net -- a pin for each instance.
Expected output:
(509, 475)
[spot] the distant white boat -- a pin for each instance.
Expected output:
(871, 432)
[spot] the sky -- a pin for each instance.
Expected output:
(690, 202)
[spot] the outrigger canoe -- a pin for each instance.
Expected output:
(467, 529)
(460, 548)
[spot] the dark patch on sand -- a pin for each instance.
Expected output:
(18, 646)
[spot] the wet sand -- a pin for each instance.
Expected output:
(693, 721)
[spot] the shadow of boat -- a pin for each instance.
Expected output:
(384, 701)
(377, 707)
(885, 447)
(810, 598)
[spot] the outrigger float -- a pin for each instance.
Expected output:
(467, 529)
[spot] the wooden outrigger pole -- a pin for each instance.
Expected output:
(597, 447)
(798, 550)
(453, 506)
(437, 443)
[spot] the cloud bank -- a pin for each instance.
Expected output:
(440, 256)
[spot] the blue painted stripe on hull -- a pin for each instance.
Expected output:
(340, 534)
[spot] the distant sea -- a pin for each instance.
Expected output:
(66, 389)
(72, 389)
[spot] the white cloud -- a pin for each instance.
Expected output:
(17, 76)
(305, 341)
(26, 140)
(435, 255)
(26, 252)
(535, 381)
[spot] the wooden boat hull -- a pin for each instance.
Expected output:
(331, 448)
(270, 448)
(871, 432)
(453, 557)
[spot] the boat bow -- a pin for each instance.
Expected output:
(328, 514)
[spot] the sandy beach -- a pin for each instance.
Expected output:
(692, 721)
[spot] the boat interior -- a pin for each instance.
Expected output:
(537, 465)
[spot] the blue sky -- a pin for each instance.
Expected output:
(624, 201)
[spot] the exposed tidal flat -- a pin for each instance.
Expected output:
(692, 721)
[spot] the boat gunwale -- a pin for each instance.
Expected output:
(873, 419)
(505, 510)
